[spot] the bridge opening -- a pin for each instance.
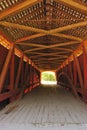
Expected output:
(48, 78)
(46, 35)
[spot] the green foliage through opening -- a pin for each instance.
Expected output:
(48, 76)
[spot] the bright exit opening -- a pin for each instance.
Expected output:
(48, 77)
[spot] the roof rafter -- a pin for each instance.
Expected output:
(50, 59)
(35, 49)
(47, 61)
(29, 37)
(44, 32)
(68, 27)
(22, 27)
(50, 46)
(49, 54)
(36, 53)
(68, 36)
(56, 34)
(41, 47)
(65, 44)
(31, 44)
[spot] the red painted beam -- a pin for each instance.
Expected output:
(12, 76)
(19, 71)
(70, 70)
(5, 67)
(74, 73)
(85, 66)
(26, 70)
(70, 83)
(79, 71)
(12, 72)
(6, 95)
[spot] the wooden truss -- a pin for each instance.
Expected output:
(30, 22)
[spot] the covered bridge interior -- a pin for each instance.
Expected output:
(38, 36)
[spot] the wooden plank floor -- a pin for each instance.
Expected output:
(45, 107)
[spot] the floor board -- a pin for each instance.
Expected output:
(45, 107)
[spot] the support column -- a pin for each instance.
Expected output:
(70, 70)
(24, 85)
(56, 77)
(85, 73)
(30, 87)
(19, 71)
(12, 75)
(12, 72)
(79, 72)
(5, 68)
(32, 75)
(74, 74)
(25, 73)
(22, 73)
(85, 66)
(39, 78)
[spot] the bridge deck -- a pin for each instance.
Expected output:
(45, 108)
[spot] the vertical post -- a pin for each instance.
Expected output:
(5, 67)
(70, 70)
(32, 75)
(12, 72)
(74, 73)
(26, 69)
(39, 78)
(85, 66)
(56, 77)
(85, 72)
(19, 71)
(29, 75)
(12, 75)
(24, 73)
(66, 68)
(79, 72)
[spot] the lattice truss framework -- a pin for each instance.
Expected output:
(47, 31)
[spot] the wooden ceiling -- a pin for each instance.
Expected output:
(47, 31)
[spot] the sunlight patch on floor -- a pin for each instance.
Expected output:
(49, 82)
